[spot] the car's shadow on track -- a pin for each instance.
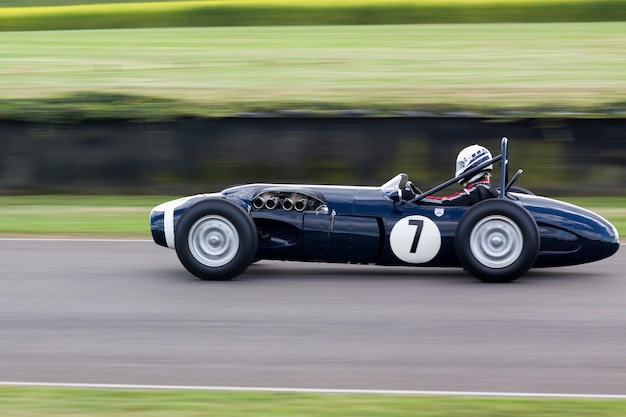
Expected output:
(558, 274)
(309, 271)
(279, 270)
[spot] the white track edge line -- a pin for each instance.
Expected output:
(312, 390)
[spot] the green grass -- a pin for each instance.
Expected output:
(113, 216)
(51, 402)
(457, 3)
(48, 3)
(52, 215)
(218, 71)
(306, 12)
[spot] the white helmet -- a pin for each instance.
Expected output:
(470, 157)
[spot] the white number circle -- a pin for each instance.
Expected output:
(415, 239)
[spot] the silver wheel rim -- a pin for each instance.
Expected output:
(213, 241)
(496, 242)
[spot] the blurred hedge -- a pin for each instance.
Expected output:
(306, 12)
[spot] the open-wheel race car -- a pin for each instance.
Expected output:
(217, 236)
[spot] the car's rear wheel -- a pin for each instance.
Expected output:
(497, 240)
(216, 240)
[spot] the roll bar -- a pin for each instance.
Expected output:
(504, 162)
(503, 174)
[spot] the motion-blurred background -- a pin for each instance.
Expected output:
(192, 96)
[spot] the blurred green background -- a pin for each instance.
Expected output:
(100, 15)
(190, 96)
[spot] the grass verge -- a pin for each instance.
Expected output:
(100, 216)
(305, 12)
(27, 402)
(146, 74)
(125, 216)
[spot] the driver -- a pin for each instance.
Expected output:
(475, 188)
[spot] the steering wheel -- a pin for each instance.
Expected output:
(413, 187)
(409, 191)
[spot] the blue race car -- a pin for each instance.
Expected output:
(217, 236)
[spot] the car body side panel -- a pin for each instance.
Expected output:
(346, 239)
(355, 239)
(429, 249)
(570, 235)
(316, 236)
(362, 225)
(280, 234)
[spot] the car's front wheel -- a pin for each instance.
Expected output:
(497, 240)
(216, 240)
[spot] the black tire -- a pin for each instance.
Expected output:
(216, 240)
(497, 240)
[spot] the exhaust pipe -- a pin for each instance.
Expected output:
(258, 203)
(271, 203)
(287, 204)
(301, 204)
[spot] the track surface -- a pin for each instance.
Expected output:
(126, 312)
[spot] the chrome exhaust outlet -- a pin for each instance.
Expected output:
(287, 204)
(271, 203)
(258, 203)
(301, 204)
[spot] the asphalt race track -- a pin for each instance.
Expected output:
(126, 312)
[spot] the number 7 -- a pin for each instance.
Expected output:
(418, 232)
